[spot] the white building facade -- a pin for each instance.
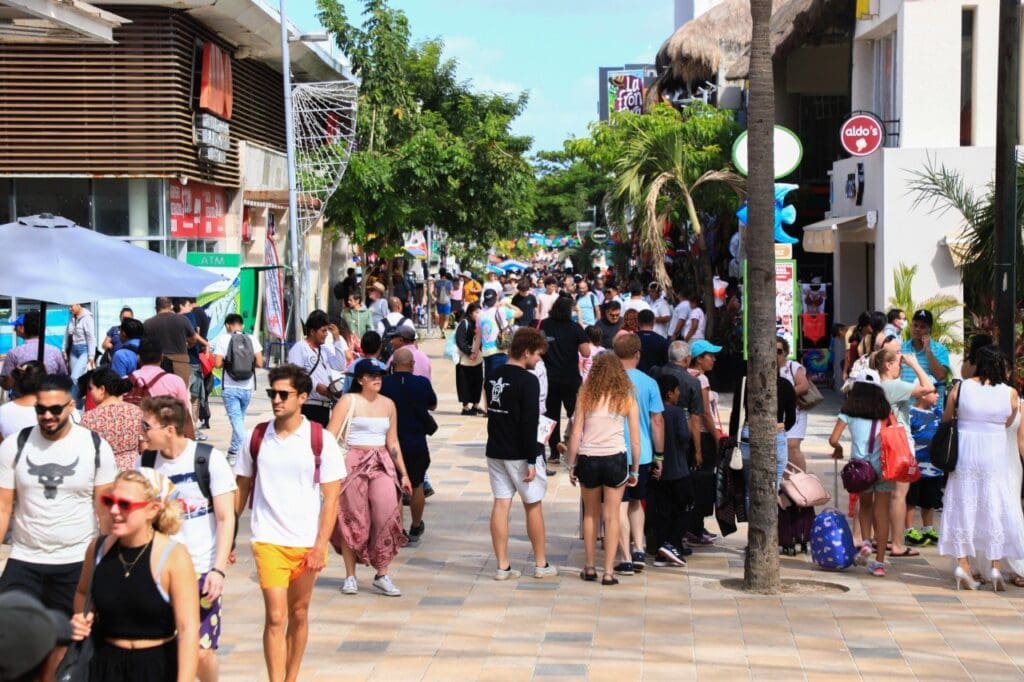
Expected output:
(927, 69)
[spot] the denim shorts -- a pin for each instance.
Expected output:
(595, 472)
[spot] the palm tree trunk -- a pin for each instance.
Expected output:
(761, 568)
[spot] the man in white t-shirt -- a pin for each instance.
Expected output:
(636, 299)
(294, 508)
(205, 486)
(394, 319)
(677, 326)
(314, 357)
(237, 392)
(547, 299)
(662, 309)
(493, 283)
(51, 480)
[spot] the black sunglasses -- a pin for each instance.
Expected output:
(779, 350)
(52, 409)
(281, 395)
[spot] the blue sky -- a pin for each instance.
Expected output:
(552, 48)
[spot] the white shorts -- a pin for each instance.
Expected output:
(799, 429)
(507, 479)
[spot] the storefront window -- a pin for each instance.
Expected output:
(66, 197)
(967, 77)
(128, 208)
(885, 84)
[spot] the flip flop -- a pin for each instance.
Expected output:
(907, 552)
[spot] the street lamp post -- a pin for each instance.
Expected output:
(294, 233)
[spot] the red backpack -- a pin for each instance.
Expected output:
(316, 441)
(140, 389)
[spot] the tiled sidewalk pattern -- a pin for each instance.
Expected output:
(454, 622)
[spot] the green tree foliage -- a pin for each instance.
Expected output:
(567, 188)
(944, 331)
(429, 149)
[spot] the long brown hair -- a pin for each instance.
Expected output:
(607, 382)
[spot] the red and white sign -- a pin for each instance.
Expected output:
(197, 210)
(862, 134)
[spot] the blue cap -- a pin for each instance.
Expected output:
(19, 321)
(700, 347)
(368, 366)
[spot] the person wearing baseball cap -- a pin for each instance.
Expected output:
(470, 288)
(931, 355)
(29, 632)
(702, 360)
(865, 406)
(405, 337)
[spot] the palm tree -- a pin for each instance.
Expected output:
(943, 331)
(661, 167)
(761, 568)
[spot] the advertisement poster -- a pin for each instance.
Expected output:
(220, 298)
(787, 306)
(273, 295)
(197, 210)
(626, 91)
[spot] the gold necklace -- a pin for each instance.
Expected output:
(129, 566)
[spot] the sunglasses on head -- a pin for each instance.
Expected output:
(125, 506)
(52, 409)
(281, 395)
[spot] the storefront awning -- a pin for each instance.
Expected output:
(823, 236)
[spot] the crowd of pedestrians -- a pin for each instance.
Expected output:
(124, 519)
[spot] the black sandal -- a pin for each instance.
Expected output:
(589, 573)
(609, 580)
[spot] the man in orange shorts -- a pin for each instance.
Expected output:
(289, 465)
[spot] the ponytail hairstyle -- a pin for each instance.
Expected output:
(110, 381)
(157, 488)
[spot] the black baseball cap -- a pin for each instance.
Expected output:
(28, 632)
(368, 366)
(925, 316)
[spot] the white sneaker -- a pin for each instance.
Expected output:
(350, 586)
(387, 587)
(507, 574)
(548, 571)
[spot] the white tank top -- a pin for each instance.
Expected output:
(368, 432)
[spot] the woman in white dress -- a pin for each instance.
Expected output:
(1014, 446)
(981, 514)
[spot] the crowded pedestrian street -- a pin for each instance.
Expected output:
(453, 621)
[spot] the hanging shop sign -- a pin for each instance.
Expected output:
(787, 306)
(599, 236)
(626, 91)
(789, 152)
(862, 135)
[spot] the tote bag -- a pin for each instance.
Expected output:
(898, 461)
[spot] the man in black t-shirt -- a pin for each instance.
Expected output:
(513, 411)
(527, 302)
(653, 346)
(610, 322)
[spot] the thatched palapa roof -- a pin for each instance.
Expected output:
(792, 24)
(696, 50)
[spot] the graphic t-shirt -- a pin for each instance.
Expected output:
(923, 425)
(648, 399)
(199, 524)
(54, 517)
(286, 498)
(513, 412)
(488, 328)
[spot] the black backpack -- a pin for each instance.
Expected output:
(385, 339)
(202, 467)
(240, 360)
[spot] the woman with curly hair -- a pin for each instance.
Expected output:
(597, 456)
(630, 323)
(137, 596)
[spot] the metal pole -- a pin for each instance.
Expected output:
(428, 292)
(1007, 236)
(293, 208)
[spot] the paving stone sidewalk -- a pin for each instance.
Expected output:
(453, 622)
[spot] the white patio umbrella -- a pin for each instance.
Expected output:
(51, 259)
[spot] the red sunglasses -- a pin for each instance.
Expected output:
(126, 506)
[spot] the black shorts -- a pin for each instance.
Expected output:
(416, 465)
(609, 471)
(639, 491)
(926, 493)
(52, 584)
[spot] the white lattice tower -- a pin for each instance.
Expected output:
(324, 116)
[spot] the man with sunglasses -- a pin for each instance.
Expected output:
(207, 495)
(52, 476)
(295, 490)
